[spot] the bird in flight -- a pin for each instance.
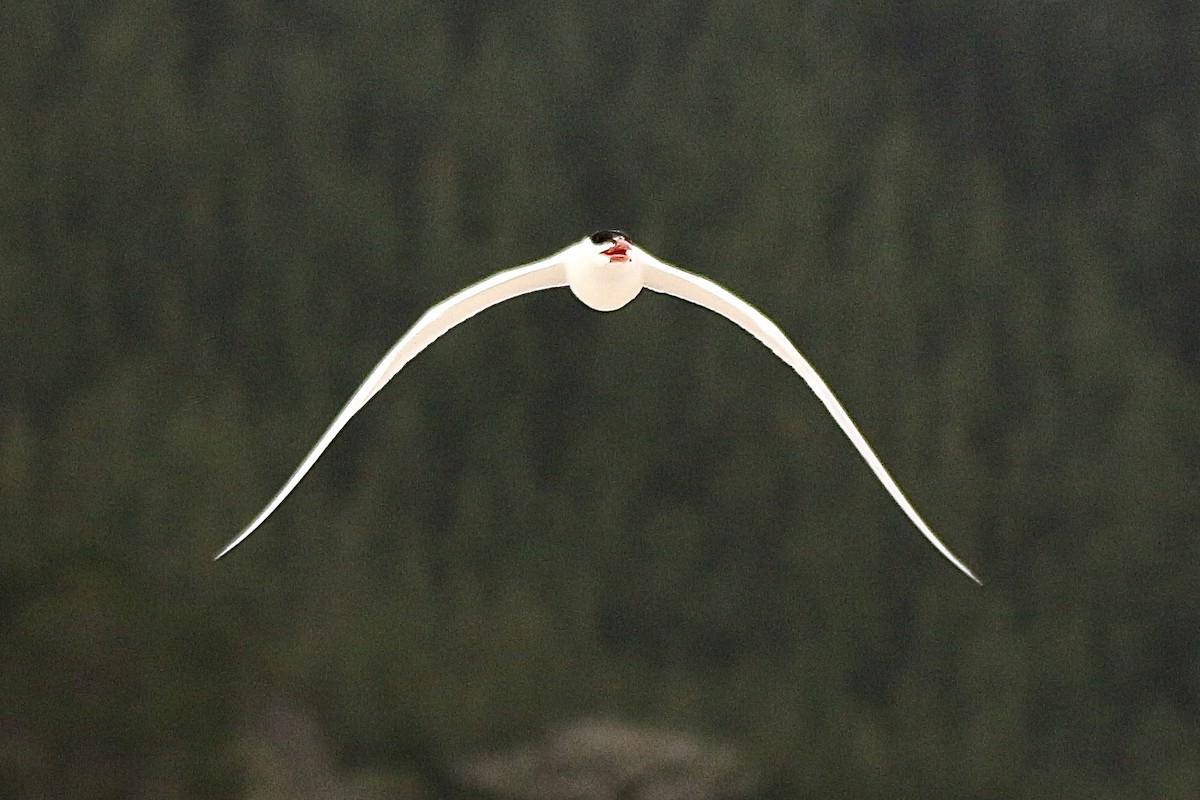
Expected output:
(605, 271)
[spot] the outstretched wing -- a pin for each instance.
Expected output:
(432, 324)
(682, 284)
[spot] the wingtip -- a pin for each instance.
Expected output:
(963, 567)
(229, 547)
(967, 571)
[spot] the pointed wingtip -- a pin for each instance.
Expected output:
(963, 568)
(953, 559)
(236, 541)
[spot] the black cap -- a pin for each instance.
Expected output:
(600, 237)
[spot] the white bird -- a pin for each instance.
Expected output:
(604, 270)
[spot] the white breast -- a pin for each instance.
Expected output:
(602, 285)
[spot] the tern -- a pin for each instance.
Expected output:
(606, 271)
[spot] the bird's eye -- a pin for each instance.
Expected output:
(600, 237)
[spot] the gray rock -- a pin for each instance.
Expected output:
(603, 759)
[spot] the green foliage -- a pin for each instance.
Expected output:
(977, 219)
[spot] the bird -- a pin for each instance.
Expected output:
(605, 271)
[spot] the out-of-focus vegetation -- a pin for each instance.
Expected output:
(978, 219)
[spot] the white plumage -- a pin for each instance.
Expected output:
(605, 271)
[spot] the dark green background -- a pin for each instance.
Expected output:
(978, 219)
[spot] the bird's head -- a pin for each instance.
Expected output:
(612, 245)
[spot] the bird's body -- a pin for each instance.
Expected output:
(605, 271)
(609, 278)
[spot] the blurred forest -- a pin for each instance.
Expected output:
(978, 219)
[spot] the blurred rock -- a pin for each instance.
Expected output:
(289, 757)
(605, 759)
